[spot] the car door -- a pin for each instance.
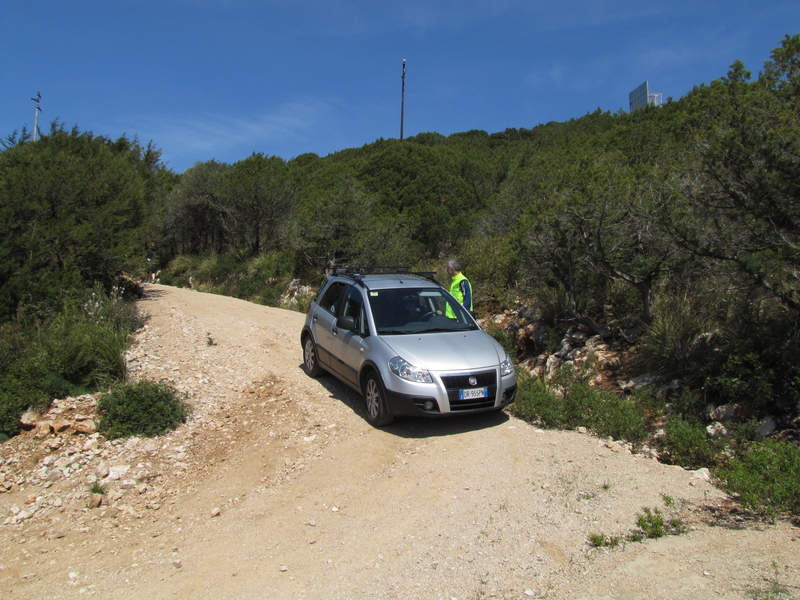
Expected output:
(323, 323)
(346, 346)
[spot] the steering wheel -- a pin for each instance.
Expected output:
(427, 315)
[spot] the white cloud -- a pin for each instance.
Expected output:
(230, 137)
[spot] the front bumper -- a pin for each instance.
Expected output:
(442, 398)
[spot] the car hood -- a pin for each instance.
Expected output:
(449, 351)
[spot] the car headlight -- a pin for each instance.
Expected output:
(506, 367)
(405, 370)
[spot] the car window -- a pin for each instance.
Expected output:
(354, 307)
(330, 300)
(417, 310)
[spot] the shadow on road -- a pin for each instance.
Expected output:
(151, 293)
(413, 427)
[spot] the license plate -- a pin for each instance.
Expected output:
(473, 393)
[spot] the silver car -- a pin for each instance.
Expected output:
(404, 343)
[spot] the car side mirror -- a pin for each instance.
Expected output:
(347, 323)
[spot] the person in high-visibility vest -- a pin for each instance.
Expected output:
(460, 287)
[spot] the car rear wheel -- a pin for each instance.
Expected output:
(310, 358)
(375, 399)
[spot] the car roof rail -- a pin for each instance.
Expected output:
(357, 273)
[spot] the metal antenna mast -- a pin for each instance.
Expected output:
(403, 100)
(36, 115)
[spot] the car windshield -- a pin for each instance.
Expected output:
(417, 310)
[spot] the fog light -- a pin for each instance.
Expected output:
(428, 405)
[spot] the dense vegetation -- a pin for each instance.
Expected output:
(681, 223)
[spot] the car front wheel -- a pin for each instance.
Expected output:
(375, 399)
(310, 358)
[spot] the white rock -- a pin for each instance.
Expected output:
(766, 427)
(102, 469)
(716, 428)
(118, 472)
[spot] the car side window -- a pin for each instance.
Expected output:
(330, 300)
(354, 307)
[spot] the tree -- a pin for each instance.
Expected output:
(72, 210)
(420, 190)
(193, 219)
(255, 199)
(738, 199)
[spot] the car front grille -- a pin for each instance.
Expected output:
(454, 383)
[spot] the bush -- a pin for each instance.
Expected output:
(766, 477)
(114, 309)
(218, 269)
(687, 444)
(84, 344)
(271, 295)
(651, 524)
(52, 356)
(675, 341)
(569, 402)
(553, 304)
(144, 408)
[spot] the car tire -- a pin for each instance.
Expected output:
(311, 358)
(375, 401)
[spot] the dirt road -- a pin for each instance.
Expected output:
(278, 488)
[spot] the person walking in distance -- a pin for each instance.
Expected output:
(151, 261)
(460, 287)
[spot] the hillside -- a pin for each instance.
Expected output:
(278, 488)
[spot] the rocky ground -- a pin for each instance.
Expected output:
(278, 488)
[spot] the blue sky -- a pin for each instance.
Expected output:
(222, 79)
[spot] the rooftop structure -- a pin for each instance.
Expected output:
(642, 97)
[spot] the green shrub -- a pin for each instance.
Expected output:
(687, 444)
(652, 525)
(749, 379)
(601, 540)
(266, 266)
(219, 268)
(114, 309)
(621, 303)
(248, 289)
(569, 402)
(70, 353)
(674, 343)
(167, 278)
(766, 477)
(553, 305)
(110, 357)
(533, 402)
(84, 345)
(179, 270)
(183, 264)
(756, 363)
(68, 344)
(271, 295)
(144, 408)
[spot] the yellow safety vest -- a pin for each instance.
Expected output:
(455, 290)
